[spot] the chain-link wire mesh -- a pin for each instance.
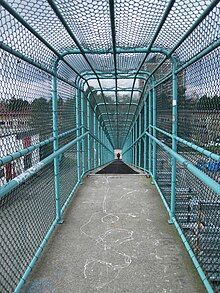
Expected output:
(197, 212)
(26, 215)
(111, 40)
(25, 114)
(68, 173)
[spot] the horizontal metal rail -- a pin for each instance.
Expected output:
(190, 144)
(8, 187)
(21, 56)
(194, 170)
(185, 242)
(31, 148)
(189, 166)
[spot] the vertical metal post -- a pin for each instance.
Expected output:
(55, 145)
(145, 138)
(95, 151)
(88, 137)
(83, 131)
(135, 146)
(130, 151)
(154, 131)
(174, 144)
(99, 145)
(139, 143)
(102, 147)
(105, 151)
(150, 132)
(133, 150)
(78, 134)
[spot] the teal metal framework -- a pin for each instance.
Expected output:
(146, 93)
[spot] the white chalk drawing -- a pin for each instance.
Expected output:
(102, 271)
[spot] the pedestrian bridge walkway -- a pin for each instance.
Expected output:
(80, 82)
(115, 238)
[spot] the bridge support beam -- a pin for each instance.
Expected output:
(83, 131)
(78, 145)
(154, 130)
(88, 138)
(145, 138)
(56, 145)
(150, 132)
(174, 143)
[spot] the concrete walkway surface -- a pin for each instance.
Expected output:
(115, 238)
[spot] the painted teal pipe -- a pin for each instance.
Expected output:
(168, 54)
(70, 32)
(101, 154)
(139, 153)
(135, 142)
(95, 134)
(145, 154)
(199, 174)
(91, 93)
(83, 124)
(135, 148)
(140, 142)
(204, 52)
(34, 32)
(70, 196)
(88, 138)
(149, 47)
(192, 145)
(189, 166)
(32, 62)
(35, 258)
(8, 187)
(136, 145)
(174, 143)
(98, 146)
(150, 132)
(56, 146)
(145, 139)
(154, 157)
(88, 99)
(194, 259)
(131, 151)
(103, 139)
(132, 145)
(104, 145)
(43, 243)
(78, 135)
(188, 248)
(23, 152)
(198, 56)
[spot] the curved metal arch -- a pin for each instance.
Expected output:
(94, 77)
(151, 74)
(91, 91)
(115, 113)
(100, 104)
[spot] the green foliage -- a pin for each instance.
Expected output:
(42, 123)
(207, 103)
(42, 115)
(17, 105)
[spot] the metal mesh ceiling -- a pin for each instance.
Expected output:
(110, 40)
